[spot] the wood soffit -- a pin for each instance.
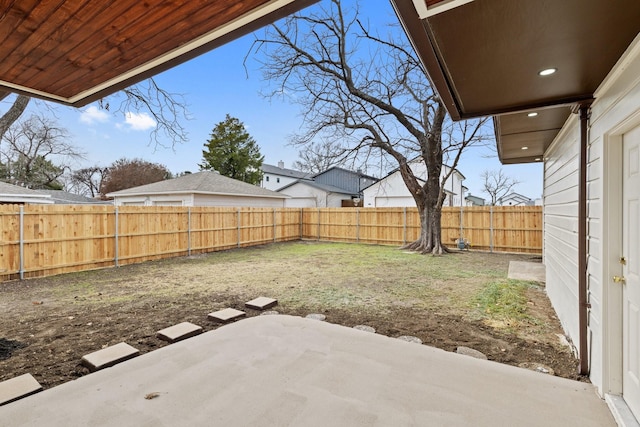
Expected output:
(77, 51)
(483, 58)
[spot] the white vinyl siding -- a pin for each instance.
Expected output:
(617, 107)
(561, 226)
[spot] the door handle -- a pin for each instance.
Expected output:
(619, 279)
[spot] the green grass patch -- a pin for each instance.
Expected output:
(503, 302)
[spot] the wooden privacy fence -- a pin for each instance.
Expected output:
(40, 240)
(488, 228)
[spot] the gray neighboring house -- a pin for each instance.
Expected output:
(204, 188)
(14, 194)
(276, 177)
(61, 197)
(348, 181)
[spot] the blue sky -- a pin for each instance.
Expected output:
(216, 84)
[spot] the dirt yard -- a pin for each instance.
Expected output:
(464, 299)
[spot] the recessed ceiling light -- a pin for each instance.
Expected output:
(532, 114)
(525, 148)
(547, 72)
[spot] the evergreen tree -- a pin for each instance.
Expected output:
(232, 152)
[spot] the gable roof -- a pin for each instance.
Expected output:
(414, 160)
(291, 173)
(76, 52)
(61, 197)
(204, 182)
(319, 186)
(516, 197)
(337, 168)
(10, 193)
(483, 58)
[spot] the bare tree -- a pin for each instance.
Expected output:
(128, 173)
(317, 157)
(368, 94)
(35, 153)
(167, 109)
(88, 181)
(497, 184)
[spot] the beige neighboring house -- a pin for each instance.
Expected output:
(204, 188)
(14, 194)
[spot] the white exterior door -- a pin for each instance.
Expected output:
(631, 271)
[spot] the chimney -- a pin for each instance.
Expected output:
(281, 164)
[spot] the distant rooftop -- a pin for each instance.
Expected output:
(281, 170)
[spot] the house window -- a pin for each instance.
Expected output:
(267, 178)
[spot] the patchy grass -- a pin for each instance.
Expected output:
(504, 304)
(447, 301)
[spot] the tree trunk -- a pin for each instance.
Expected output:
(430, 239)
(13, 114)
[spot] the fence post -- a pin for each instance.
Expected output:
(189, 230)
(461, 221)
(117, 262)
(21, 242)
(357, 224)
(274, 225)
(238, 221)
(301, 224)
(491, 228)
(318, 224)
(404, 226)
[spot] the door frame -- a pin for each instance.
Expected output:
(612, 344)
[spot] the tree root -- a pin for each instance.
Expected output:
(425, 248)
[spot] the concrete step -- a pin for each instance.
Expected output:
(179, 332)
(226, 315)
(17, 388)
(261, 303)
(109, 356)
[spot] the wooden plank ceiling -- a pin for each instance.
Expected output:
(76, 51)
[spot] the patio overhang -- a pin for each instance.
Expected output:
(75, 52)
(484, 58)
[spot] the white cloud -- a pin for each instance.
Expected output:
(93, 115)
(141, 121)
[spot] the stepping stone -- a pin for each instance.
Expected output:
(365, 328)
(471, 352)
(316, 316)
(179, 332)
(109, 356)
(269, 313)
(261, 303)
(226, 315)
(537, 367)
(409, 338)
(17, 388)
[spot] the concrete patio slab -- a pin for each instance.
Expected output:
(226, 315)
(522, 270)
(290, 371)
(179, 332)
(109, 356)
(261, 303)
(17, 388)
